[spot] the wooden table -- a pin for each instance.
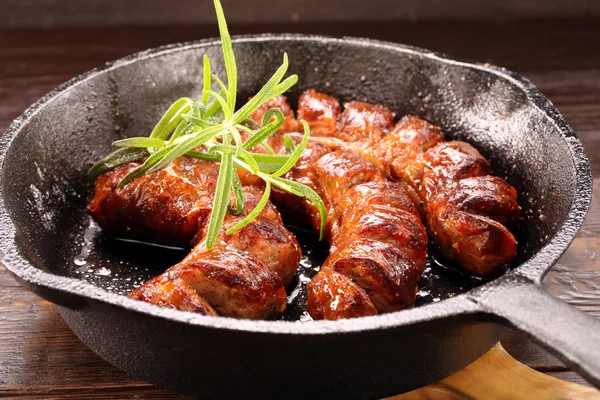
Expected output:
(41, 358)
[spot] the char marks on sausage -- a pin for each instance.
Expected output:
(378, 182)
(465, 208)
(243, 276)
(378, 243)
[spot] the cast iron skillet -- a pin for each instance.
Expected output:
(46, 235)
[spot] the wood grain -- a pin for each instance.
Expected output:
(55, 13)
(41, 358)
(486, 378)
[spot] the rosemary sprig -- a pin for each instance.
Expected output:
(213, 124)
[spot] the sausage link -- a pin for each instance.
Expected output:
(377, 232)
(382, 211)
(320, 111)
(172, 293)
(334, 296)
(242, 277)
(465, 208)
(378, 243)
(234, 284)
(169, 206)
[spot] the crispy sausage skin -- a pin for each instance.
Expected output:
(233, 283)
(242, 277)
(380, 210)
(169, 206)
(363, 124)
(378, 243)
(173, 293)
(465, 208)
(378, 182)
(320, 111)
(334, 296)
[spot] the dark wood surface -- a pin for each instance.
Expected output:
(61, 13)
(41, 358)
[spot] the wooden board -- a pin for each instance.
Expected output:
(496, 375)
(41, 358)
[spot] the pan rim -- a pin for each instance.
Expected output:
(467, 303)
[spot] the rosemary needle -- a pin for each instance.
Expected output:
(213, 122)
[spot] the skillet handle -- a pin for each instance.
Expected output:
(568, 333)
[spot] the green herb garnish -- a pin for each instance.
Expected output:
(213, 123)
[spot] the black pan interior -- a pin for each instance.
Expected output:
(119, 265)
(49, 190)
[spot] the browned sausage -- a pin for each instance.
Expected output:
(320, 111)
(169, 206)
(173, 205)
(234, 284)
(364, 124)
(173, 293)
(378, 243)
(334, 296)
(465, 208)
(380, 210)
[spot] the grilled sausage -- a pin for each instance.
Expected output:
(169, 206)
(363, 124)
(334, 296)
(233, 283)
(378, 243)
(297, 209)
(381, 211)
(170, 292)
(243, 276)
(320, 111)
(465, 208)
